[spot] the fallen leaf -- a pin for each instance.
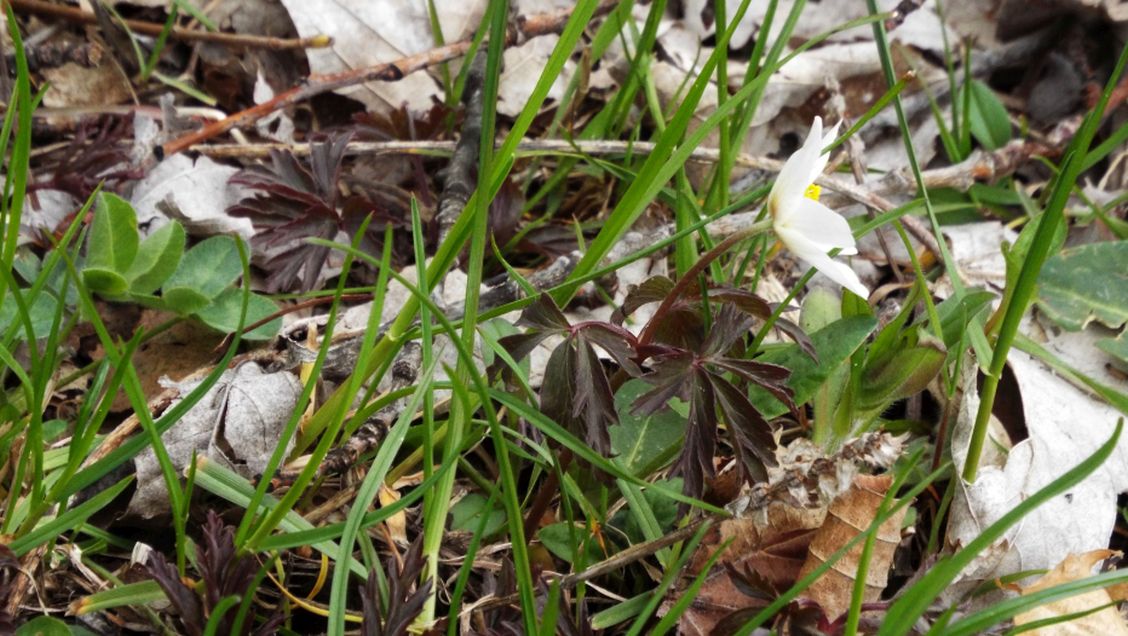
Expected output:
(237, 423)
(277, 125)
(773, 551)
(1075, 567)
(370, 32)
(1063, 426)
(850, 514)
(192, 192)
(397, 523)
(522, 69)
(72, 85)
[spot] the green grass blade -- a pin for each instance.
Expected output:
(913, 601)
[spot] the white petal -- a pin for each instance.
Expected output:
(797, 172)
(840, 273)
(818, 225)
(822, 158)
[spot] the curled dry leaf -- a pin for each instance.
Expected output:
(237, 423)
(776, 522)
(194, 192)
(772, 552)
(850, 514)
(1063, 425)
(1075, 567)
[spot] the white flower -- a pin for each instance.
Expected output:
(807, 227)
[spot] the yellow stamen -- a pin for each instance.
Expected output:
(813, 192)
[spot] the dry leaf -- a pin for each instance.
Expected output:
(773, 551)
(72, 85)
(776, 522)
(369, 32)
(192, 192)
(397, 523)
(1106, 622)
(1064, 425)
(849, 514)
(238, 423)
(389, 494)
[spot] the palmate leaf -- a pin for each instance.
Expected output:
(683, 324)
(575, 391)
(696, 461)
(701, 367)
(749, 433)
(700, 379)
(293, 202)
(224, 573)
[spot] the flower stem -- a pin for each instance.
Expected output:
(1027, 283)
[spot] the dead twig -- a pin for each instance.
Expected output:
(459, 181)
(460, 177)
(71, 14)
(405, 370)
(982, 166)
(527, 27)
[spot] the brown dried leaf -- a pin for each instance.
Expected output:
(397, 523)
(771, 551)
(1073, 568)
(72, 85)
(848, 515)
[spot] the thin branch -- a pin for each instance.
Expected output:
(461, 175)
(527, 26)
(71, 14)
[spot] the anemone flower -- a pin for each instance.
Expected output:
(808, 228)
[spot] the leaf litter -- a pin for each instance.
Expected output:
(685, 373)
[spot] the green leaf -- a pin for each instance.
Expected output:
(138, 593)
(820, 308)
(223, 314)
(41, 313)
(106, 282)
(44, 626)
(558, 538)
(1015, 255)
(833, 344)
(112, 242)
(184, 300)
(664, 509)
(157, 258)
(643, 444)
(988, 118)
(1117, 348)
(69, 520)
(957, 312)
(1086, 283)
(204, 272)
(905, 373)
(467, 513)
